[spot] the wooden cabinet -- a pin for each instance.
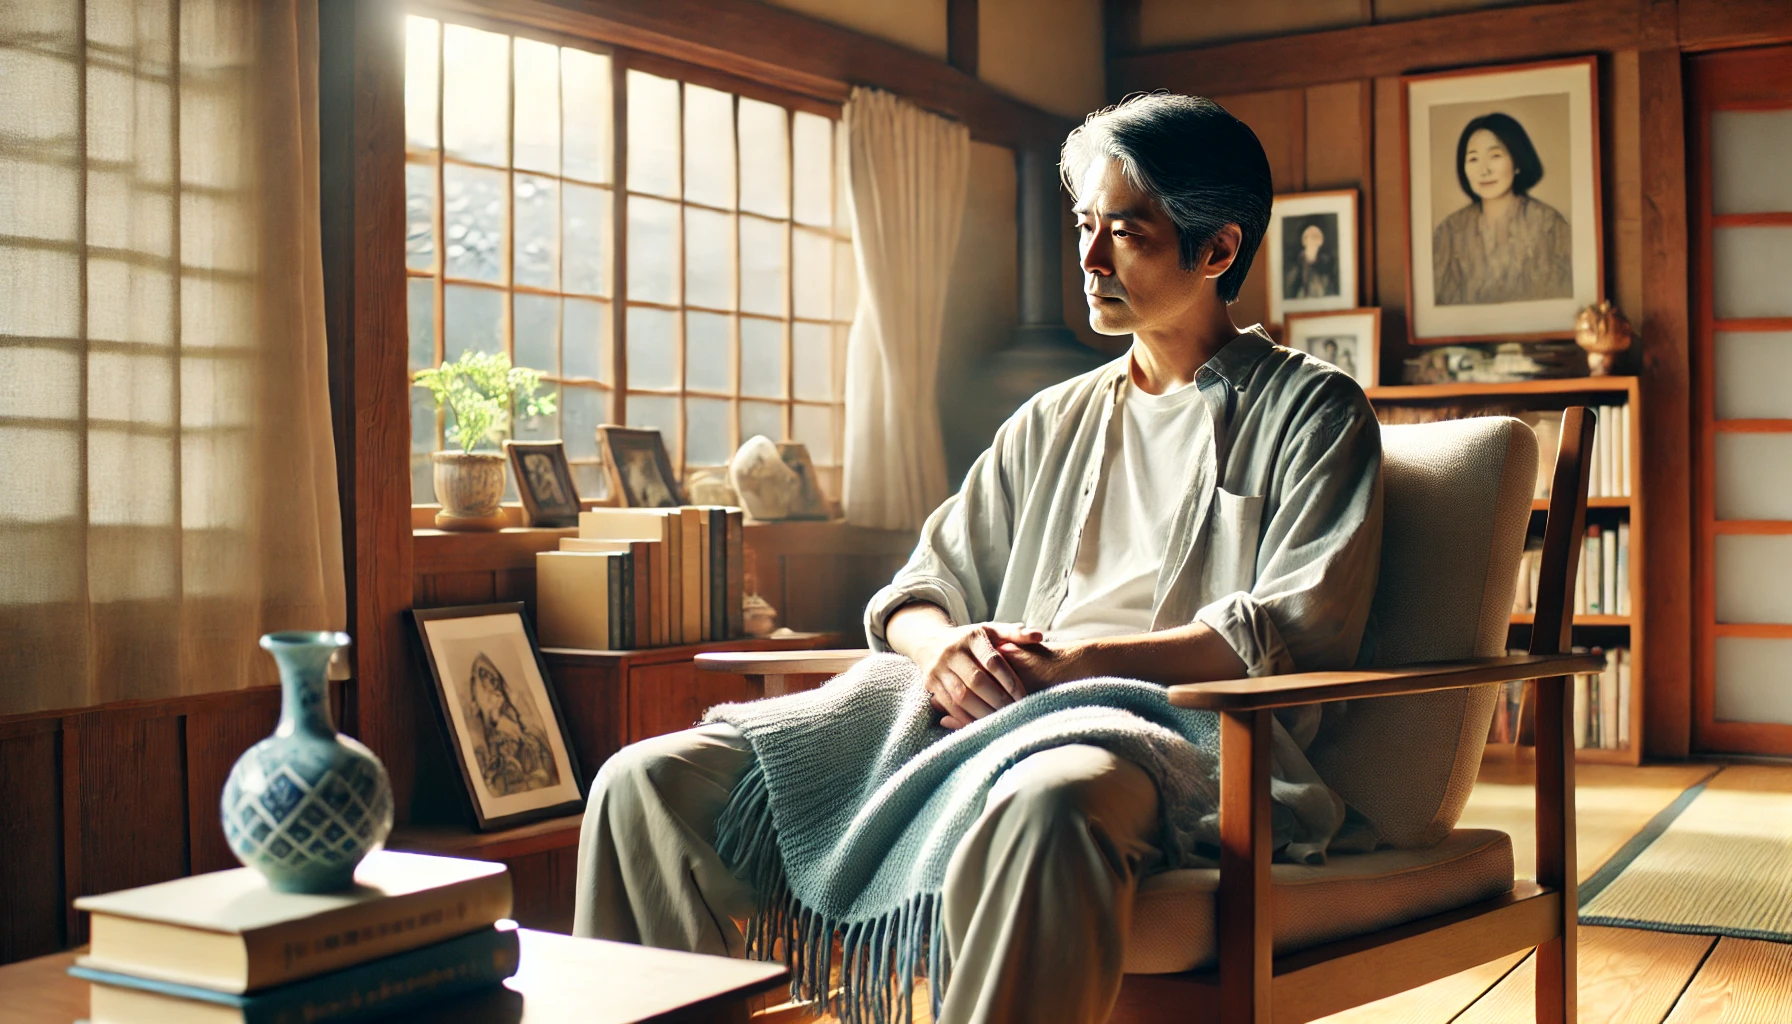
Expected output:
(610, 699)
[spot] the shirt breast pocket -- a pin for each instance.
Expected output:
(1235, 525)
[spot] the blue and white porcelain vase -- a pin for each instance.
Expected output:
(306, 804)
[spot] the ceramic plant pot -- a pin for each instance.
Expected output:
(306, 804)
(469, 486)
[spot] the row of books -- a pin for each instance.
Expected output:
(1602, 580)
(1601, 705)
(225, 948)
(1609, 475)
(644, 577)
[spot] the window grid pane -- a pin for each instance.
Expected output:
(741, 288)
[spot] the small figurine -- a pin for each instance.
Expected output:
(1603, 332)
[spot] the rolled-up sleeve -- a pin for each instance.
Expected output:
(1319, 551)
(963, 550)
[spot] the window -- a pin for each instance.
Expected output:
(728, 316)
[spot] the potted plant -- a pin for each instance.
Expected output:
(480, 389)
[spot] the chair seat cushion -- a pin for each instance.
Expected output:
(1174, 924)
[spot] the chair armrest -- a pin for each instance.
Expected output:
(1318, 687)
(781, 663)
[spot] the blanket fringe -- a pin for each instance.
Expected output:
(880, 958)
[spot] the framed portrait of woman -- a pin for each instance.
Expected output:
(499, 714)
(1503, 202)
(1312, 253)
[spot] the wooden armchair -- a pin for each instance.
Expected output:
(1271, 966)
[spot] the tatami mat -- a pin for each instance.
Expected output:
(1722, 867)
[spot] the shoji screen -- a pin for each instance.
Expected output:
(1743, 203)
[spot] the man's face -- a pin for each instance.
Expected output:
(1131, 257)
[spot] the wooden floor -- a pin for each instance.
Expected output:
(1627, 976)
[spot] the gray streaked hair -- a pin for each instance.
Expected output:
(1203, 167)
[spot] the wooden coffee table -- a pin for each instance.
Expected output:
(561, 979)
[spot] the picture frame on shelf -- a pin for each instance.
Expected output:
(1313, 253)
(1509, 154)
(544, 483)
(499, 714)
(639, 470)
(1349, 339)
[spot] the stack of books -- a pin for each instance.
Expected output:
(225, 948)
(1601, 705)
(1609, 474)
(1602, 578)
(644, 577)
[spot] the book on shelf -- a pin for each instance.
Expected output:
(1602, 577)
(690, 521)
(377, 988)
(1608, 471)
(1602, 703)
(229, 932)
(668, 576)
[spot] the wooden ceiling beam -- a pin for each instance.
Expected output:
(1499, 35)
(782, 49)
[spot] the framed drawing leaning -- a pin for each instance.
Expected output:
(499, 714)
(1503, 208)
(1349, 340)
(1312, 253)
(544, 482)
(640, 471)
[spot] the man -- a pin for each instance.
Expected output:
(1206, 507)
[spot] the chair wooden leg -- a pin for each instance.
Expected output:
(1245, 916)
(1556, 985)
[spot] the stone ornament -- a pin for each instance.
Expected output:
(768, 488)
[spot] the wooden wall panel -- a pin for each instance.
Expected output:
(595, 705)
(446, 589)
(124, 803)
(542, 886)
(31, 917)
(216, 736)
(1390, 226)
(667, 698)
(1340, 154)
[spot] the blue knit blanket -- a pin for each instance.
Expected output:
(845, 824)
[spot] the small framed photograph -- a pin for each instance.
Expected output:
(640, 472)
(1350, 340)
(1312, 253)
(1502, 201)
(544, 482)
(809, 502)
(499, 714)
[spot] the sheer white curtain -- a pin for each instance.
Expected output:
(167, 475)
(909, 172)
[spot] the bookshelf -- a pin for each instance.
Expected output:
(1428, 402)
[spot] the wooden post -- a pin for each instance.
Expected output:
(1245, 912)
(361, 169)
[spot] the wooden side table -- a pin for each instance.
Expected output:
(560, 979)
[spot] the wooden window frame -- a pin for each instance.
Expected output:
(618, 389)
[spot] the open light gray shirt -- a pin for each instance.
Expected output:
(1275, 545)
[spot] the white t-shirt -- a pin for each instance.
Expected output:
(1143, 476)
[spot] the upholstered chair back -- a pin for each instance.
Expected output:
(1457, 498)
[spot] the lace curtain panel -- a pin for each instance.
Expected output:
(910, 173)
(167, 473)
